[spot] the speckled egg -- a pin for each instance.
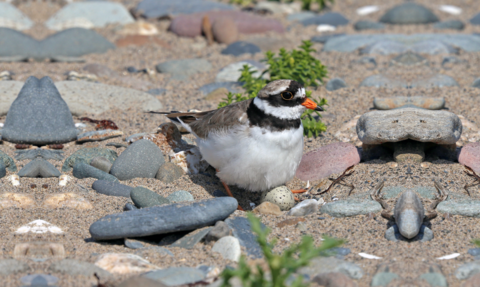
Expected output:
(281, 196)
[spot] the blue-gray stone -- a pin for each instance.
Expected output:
(335, 84)
(101, 163)
(40, 153)
(381, 81)
(341, 251)
(368, 25)
(12, 266)
(184, 68)
(331, 264)
(393, 234)
(433, 47)
(83, 170)
(330, 18)
(437, 81)
(382, 279)
(163, 219)
(464, 207)
(351, 207)
(475, 20)
(86, 155)
(112, 188)
(240, 47)
(39, 280)
(180, 196)
(129, 206)
(384, 48)
(3, 169)
(175, 276)
(392, 191)
(14, 16)
(99, 14)
(243, 232)
(435, 279)
(157, 91)
(234, 87)
(141, 159)
(39, 115)
(164, 8)
(8, 161)
(409, 13)
(300, 16)
(144, 197)
(450, 24)
(188, 241)
(476, 83)
(39, 168)
(133, 244)
(16, 44)
(474, 251)
(169, 172)
(324, 38)
(468, 269)
(157, 249)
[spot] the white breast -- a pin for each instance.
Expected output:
(254, 158)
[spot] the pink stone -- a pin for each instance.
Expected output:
(190, 25)
(327, 160)
(470, 156)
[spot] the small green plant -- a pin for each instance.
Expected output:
(298, 65)
(307, 4)
(242, 2)
(281, 266)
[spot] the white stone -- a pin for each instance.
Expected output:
(231, 73)
(39, 226)
(450, 256)
(279, 8)
(306, 207)
(190, 161)
(368, 256)
(325, 28)
(124, 263)
(365, 10)
(454, 10)
(228, 247)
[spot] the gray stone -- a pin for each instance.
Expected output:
(83, 170)
(39, 168)
(175, 276)
(39, 280)
(86, 155)
(12, 266)
(141, 159)
(243, 232)
(171, 238)
(92, 14)
(300, 16)
(163, 219)
(74, 267)
(144, 197)
(386, 47)
(234, 87)
(39, 153)
(464, 207)
(228, 247)
(450, 24)
(133, 244)
(435, 279)
(102, 163)
(129, 206)
(14, 17)
(39, 115)
(424, 234)
(476, 83)
(156, 249)
(157, 91)
(164, 8)
(83, 97)
(409, 59)
(474, 251)
(240, 47)
(169, 172)
(382, 279)
(476, 19)
(232, 72)
(368, 25)
(468, 269)
(189, 240)
(409, 13)
(112, 188)
(184, 68)
(3, 170)
(341, 251)
(330, 18)
(305, 208)
(351, 207)
(324, 38)
(440, 127)
(419, 101)
(331, 264)
(335, 84)
(221, 229)
(433, 47)
(16, 44)
(180, 196)
(8, 161)
(381, 81)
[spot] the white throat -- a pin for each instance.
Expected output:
(287, 113)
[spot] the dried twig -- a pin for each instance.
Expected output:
(349, 171)
(207, 29)
(476, 180)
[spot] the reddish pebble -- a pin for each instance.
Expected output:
(470, 156)
(327, 160)
(22, 146)
(225, 30)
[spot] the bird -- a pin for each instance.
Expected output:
(256, 144)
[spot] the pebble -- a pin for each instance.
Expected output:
(112, 188)
(368, 25)
(12, 266)
(39, 280)
(243, 232)
(464, 207)
(350, 207)
(306, 207)
(141, 159)
(228, 247)
(129, 206)
(175, 276)
(157, 91)
(440, 127)
(99, 135)
(324, 38)
(466, 270)
(3, 169)
(86, 155)
(334, 279)
(133, 244)
(163, 8)
(102, 163)
(476, 83)
(331, 264)
(39, 168)
(327, 160)
(268, 208)
(341, 251)
(239, 48)
(475, 19)
(409, 13)
(180, 196)
(231, 73)
(335, 84)
(144, 197)
(300, 16)
(76, 267)
(383, 279)
(188, 241)
(393, 234)
(83, 170)
(97, 13)
(234, 87)
(184, 68)
(220, 230)
(450, 24)
(330, 18)
(135, 281)
(39, 102)
(281, 196)
(419, 101)
(163, 219)
(8, 161)
(36, 153)
(124, 263)
(435, 279)
(169, 172)
(224, 30)
(474, 251)
(67, 200)
(469, 156)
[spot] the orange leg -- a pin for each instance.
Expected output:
(229, 193)
(299, 190)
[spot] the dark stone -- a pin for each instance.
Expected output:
(129, 206)
(189, 240)
(450, 24)
(133, 244)
(39, 152)
(39, 168)
(324, 38)
(368, 25)
(163, 219)
(475, 20)
(234, 87)
(83, 170)
(221, 229)
(39, 115)
(164, 8)
(112, 188)
(8, 161)
(335, 84)
(409, 13)
(86, 155)
(144, 197)
(169, 172)
(3, 170)
(243, 232)
(476, 83)
(240, 47)
(330, 18)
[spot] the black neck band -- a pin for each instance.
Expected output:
(259, 118)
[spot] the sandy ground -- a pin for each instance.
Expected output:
(409, 260)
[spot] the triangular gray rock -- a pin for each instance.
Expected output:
(39, 115)
(39, 168)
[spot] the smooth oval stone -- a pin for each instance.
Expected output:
(39, 168)
(164, 8)
(239, 48)
(112, 188)
(8, 161)
(141, 159)
(163, 219)
(129, 206)
(3, 170)
(335, 84)
(16, 46)
(433, 47)
(39, 115)
(409, 13)
(468, 207)
(409, 214)
(440, 127)
(86, 155)
(474, 251)
(450, 24)
(133, 244)
(330, 18)
(144, 197)
(476, 19)
(382, 279)
(434, 279)
(102, 163)
(83, 170)
(180, 196)
(368, 25)
(419, 101)
(184, 68)
(169, 172)
(39, 280)
(228, 247)
(350, 207)
(384, 48)
(175, 276)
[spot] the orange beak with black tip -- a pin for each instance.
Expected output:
(309, 104)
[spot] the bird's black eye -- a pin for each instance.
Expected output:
(287, 96)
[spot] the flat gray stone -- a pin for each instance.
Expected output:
(8, 161)
(476, 83)
(39, 168)
(331, 264)
(83, 170)
(184, 68)
(450, 24)
(144, 197)
(39, 115)
(351, 207)
(39, 153)
(241, 47)
(465, 207)
(221, 229)
(169, 172)
(163, 219)
(243, 232)
(419, 101)
(368, 25)
(409, 13)
(175, 276)
(112, 188)
(335, 84)
(440, 127)
(189, 240)
(386, 47)
(86, 155)
(133, 244)
(435, 279)
(164, 8)
(330, 18)
(12, 266)
(437, 81)
(76, 267)
(102, 163)
(180, 196)
(39, 280)
(383, 279)
(14, 17)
